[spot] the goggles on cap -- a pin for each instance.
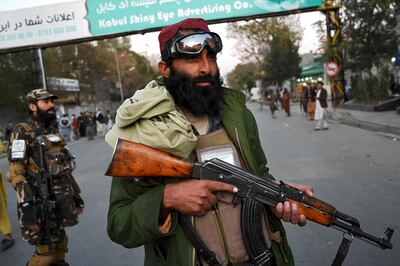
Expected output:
(193, 44)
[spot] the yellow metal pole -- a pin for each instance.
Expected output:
(333, 25)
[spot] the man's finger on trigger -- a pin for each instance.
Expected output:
(220, 186)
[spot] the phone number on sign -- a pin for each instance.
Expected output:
(39, 33)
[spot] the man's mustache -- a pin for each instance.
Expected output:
(201, 79)
(51, 109)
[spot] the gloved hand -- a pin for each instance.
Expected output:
(27, 213)
(80, 205)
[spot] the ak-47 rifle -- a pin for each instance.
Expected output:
(137, 160)
(44, 181)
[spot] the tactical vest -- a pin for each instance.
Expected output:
(220, 228)
(60, 164)
(47, 146)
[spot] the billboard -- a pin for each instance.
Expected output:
(43, 25)
(95, 19)
(63, 84)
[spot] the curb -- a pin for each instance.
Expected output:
(347, 119)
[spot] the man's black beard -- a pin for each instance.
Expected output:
(198, 99)
(45, 116)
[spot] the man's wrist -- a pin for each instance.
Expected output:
(166, 206)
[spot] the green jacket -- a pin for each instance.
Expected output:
(134, 206)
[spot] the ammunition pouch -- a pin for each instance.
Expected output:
(64, 196)
(60, 163)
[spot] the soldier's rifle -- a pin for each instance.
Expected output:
(44, 181)
(136, 160)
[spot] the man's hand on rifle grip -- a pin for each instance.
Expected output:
(192, 197)
(289, 212)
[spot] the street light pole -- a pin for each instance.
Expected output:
(119, 75)
(39, 51)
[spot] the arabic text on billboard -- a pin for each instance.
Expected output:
(106, 17)
(92, 18)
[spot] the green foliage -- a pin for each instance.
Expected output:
(136, 72)
(372, 88)
(15, 78)
(371, 30)
(243, 76)
(371, 40)
(86, 62)
(282, 62)
(272, 44)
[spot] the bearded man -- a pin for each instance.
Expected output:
(40, 170)
(189, 114)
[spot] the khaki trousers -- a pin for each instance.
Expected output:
(5, 226)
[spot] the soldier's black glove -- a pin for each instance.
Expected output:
(79, 201)
(27, 214)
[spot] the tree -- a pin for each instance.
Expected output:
(282, 61)
(96, 61)
(371, 40)
(272, 44)
(243, 77)
(15, 78)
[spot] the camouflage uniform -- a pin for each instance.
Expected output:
(37, 155)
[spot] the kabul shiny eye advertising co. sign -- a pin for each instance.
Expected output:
(44, 25)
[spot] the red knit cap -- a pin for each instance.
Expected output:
(170, 31)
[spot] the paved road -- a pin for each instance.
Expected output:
(356, 170)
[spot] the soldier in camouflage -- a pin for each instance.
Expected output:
(41, 173)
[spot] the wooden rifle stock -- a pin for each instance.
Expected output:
(134, 159)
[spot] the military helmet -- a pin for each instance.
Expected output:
(39, 94)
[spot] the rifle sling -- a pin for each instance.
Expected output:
(343, 249)
(201, 248)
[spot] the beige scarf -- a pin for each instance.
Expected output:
(151, 117)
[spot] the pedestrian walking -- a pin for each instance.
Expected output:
(90, 125)
(320, 107)
(278, 97)
(109, 119)
(310, 98)
(5, 226)
(100, 123)
(271, 102)
(286, 96)
(8, 130)
(82, 125)
(75, 127)
(65, 127)
(40, 171)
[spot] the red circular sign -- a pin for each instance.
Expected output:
(331, 69)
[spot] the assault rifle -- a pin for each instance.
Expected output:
(137, 160)
(47, 204)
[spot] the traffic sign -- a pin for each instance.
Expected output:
(331, 69)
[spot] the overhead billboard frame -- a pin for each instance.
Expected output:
(90, 20)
